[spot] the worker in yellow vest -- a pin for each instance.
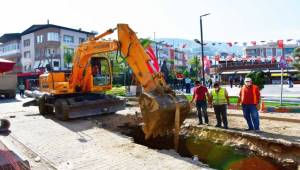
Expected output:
(219, 100)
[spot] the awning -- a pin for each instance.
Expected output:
(6, 65)
(229, 72)
(244, 72)
(278, 74)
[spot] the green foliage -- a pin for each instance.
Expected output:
(117, 91)
(258, 78)
(296, 55)
(194, 62)
(68, 58)
(118, 63)
(186, 73)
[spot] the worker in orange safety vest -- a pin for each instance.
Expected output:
(249, 99)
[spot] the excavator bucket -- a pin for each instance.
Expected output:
(158, 112)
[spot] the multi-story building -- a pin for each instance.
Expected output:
(176, 58)
(264, 58)
(40, 45)
(10, 49)
(269, 49)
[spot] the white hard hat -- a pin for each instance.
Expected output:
(247, 79)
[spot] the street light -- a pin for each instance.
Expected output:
(202, 51)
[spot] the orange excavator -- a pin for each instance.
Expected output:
(80, 93)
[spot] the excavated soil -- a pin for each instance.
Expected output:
(219, 148)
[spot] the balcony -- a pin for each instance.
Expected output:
(10, 53)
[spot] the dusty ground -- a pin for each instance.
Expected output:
(279, 128)
(93, 143)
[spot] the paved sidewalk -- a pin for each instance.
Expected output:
(83, 143)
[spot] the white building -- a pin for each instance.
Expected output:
(40, 45)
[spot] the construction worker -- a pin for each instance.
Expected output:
(201, 94)
(219, 100)
(249, 98)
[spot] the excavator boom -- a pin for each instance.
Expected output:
(158, 101)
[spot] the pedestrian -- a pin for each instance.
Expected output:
(219, 100)
(21, 89)
(200, 95)
(231, 81)
(249, 98)
(241, 81)
(210, 83)
(187, 85)
(236, 81)
(290, 81)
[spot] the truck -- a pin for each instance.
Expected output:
(8, 85)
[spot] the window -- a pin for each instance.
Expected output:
(55, 63)
(269, 52)
(52, 36)
(68, 39)
(100, 71)
(27, 54)
(69, 51)
(50, 52)
(26, 43)
(278, 52)
(39, 38)
(81, 40)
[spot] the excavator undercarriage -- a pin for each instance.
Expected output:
(69, 106)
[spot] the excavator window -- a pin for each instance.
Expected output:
(100, 71)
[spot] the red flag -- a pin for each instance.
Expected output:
(258, 59)
(217, 58)
(273, 59)
(229, 58)
(280, 43)
(184, 45)
(229, 44)
(253, 42)
(154, 61)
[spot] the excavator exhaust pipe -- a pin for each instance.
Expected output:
(158, 112)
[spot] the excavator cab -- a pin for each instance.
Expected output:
(101, 73)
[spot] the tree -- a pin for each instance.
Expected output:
(296, 55)
(186, 73)
(68, 56)
(258, 78)
(194, 62)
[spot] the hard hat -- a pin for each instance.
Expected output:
(247, 79)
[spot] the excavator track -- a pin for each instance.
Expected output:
(67, 107)
(158, 112)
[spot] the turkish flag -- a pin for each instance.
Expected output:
(280, 43)
(229, 44)
(154, 60)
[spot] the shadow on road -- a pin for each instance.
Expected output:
(4, 100)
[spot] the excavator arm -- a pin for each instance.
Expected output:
(157, 102)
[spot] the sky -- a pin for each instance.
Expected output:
(229, 20)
